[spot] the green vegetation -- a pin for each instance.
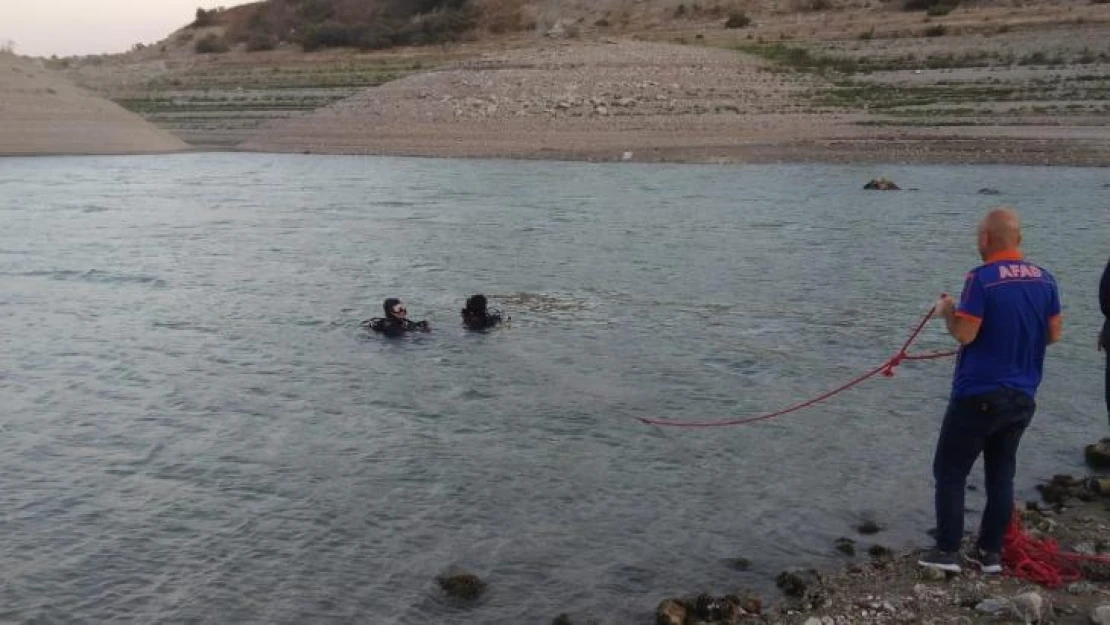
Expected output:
(366, 24)
(738, 19)
(211, 44)
(205, 18)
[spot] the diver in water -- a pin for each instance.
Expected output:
(476, 316)
(395, 322)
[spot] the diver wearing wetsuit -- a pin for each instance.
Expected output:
(395, 322)
(477, 317)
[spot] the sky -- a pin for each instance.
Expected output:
(70, 27)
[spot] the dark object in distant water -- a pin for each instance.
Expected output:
(868, 528)
(476, 315)
(462, 585)
(846, 546)
(989, 191)
(881, 184)
(739, 564)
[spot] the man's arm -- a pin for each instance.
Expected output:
(1104, 292)
(963, 327)
(1055, 328)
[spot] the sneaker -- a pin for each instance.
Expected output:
(989, 563)
(946, 561)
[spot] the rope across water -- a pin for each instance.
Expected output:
(886, 369)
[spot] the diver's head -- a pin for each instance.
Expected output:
(476, 304)
(394, 308)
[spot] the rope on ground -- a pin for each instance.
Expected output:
(886, 370)
(1040, 560)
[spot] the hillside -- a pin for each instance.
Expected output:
(817, 79)
(42, 113)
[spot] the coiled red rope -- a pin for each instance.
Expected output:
(886, 369)
(1040, 560)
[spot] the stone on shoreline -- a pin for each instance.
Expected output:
(846, 546)
(881, 184)
(796, 582)
(868, 528)
(1098, 454)
(461, 585)
(670, 612)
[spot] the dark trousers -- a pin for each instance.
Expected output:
(1106, 349)
(991, 425)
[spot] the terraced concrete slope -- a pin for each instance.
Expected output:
(42, 113)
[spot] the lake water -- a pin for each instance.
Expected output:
(196, 430)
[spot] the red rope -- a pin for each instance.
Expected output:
(886, 369)
(1040, 560)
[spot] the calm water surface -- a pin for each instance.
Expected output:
(196, 430)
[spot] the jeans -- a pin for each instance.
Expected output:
(991, 425)
(1106, 349)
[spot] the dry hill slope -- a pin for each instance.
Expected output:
(42, 113)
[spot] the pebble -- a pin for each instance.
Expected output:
(1030, 607)
(993, 605)
(1081, 588)
(1101, 615)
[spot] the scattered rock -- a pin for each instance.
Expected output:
(462, 585)
(670, 612)
(1101, 615)
(627, 156)
(879, 552)
(992, 606)
(739, 564)
(1098, 454)
(847, 546)
(989, 191)
(868, 528)
(1081, 588)
(795, 582)
(933, 575)
(562, 619)
(713, 609)
(751, 603)
(1030, 607)
(881, 184)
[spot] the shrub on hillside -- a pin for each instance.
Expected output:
(502, 16)
(925, 5)
(204, 18)
(260, 42)
(738, 19)
(937, 30)
(211, 44)
(939, 10)
(813, 5)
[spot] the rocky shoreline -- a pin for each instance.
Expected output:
(892, 588)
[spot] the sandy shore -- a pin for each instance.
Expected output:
(652, 102)
(43, 114)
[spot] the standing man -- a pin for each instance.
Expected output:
(1008, 313)
(1104, 334)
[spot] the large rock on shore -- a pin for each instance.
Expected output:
(42, 113)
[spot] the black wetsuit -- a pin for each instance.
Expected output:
(481, 320)
(395, 326)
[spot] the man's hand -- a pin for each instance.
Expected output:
(945, 306)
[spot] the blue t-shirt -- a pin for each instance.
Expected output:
(1013, 301)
